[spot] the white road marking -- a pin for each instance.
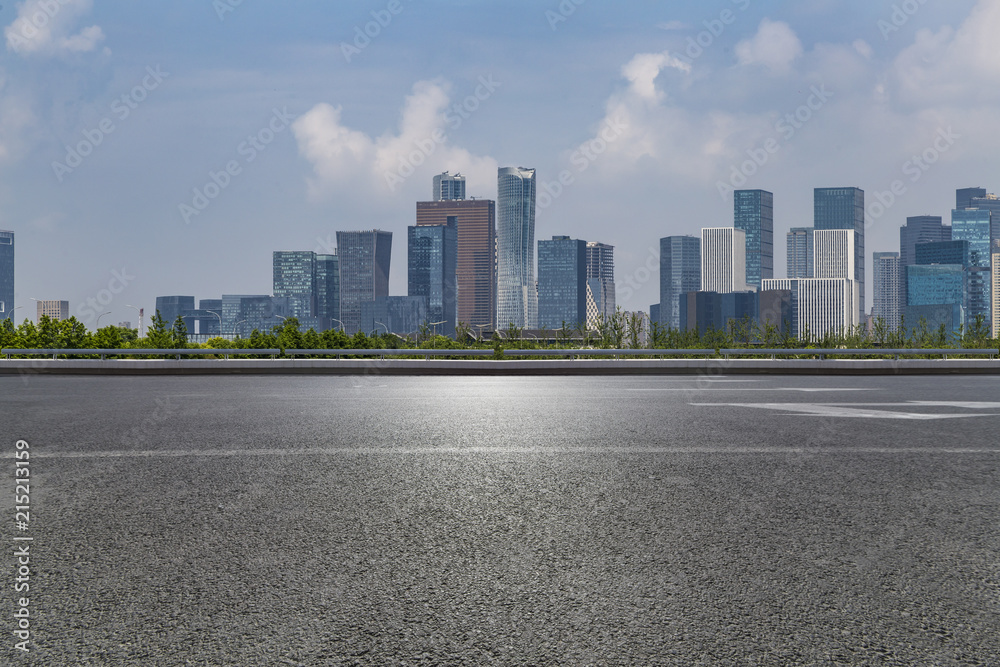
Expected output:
(864, 410)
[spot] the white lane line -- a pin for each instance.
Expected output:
(841, 410)
(432, 451)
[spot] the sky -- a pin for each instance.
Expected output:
(152, 149)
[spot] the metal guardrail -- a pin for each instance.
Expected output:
(860, 352)
(142, 352)
(571, 354)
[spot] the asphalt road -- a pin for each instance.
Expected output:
(508, 521)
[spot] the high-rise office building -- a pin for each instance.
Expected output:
(600, 282)
(328, 290)
(919, 229)
(820, 305)
(935, 294)
(974, 226)
(886, 298)
(753, 212)
(833, 253)
(431, 260)
(943, 252)
(364, 272)
(517, 295)
(54, 310)
(210, 317)
(990, 203)
(6, 275)
(562, 283)
(476, 269)
(448, 187)
(723, 260)
(964, 196)
(233, 320)
(680, 272)
(844, 208)
(800, 252)
(294, 273)
(401, 315)
(172, 307)
(995, 292)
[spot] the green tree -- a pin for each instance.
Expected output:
(179, 333)
(157, 335)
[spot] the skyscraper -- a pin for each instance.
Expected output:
(753, 212)
(974, 226)
(210, 317)
(364, 272)
(819, 305)
(432, 255)
(964, 196)
(886, 298)
(517, 296)
(294, 274)
(919, 229)
(448, 187)
(680, 272)
(990, 203)
(328, 290)
(476, 270)
(723, 260)
(833, 251)
(562, 283)
(800, 252)
(844, 208)
(172, 307)
(996, 288)
(6, 275)
(600, 281)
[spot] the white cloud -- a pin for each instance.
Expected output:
(643, 69)
(958, 65)
(775, 46)
(343, 158)
(45, 28)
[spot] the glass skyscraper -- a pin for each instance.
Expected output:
(328, 290)
(172, 307)
(680, 272)
(364, 272)
(6, 275)
(562, 283)
(973, 225)
(600, 281)
(800, 252)
(943, 252)
(844, 208)
(476, 271)
(432, 256)
(964, 196)
(753, 212)
(517, 295)
(934, 284)
(294, 275)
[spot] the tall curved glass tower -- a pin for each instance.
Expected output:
(517, 295)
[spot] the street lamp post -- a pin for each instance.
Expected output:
(220, 320)
(334, 319)
(236, 325)
(97, 327)
(12, 312)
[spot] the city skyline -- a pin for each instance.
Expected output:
(656, 107)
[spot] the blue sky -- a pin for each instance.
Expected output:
(647, 110)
